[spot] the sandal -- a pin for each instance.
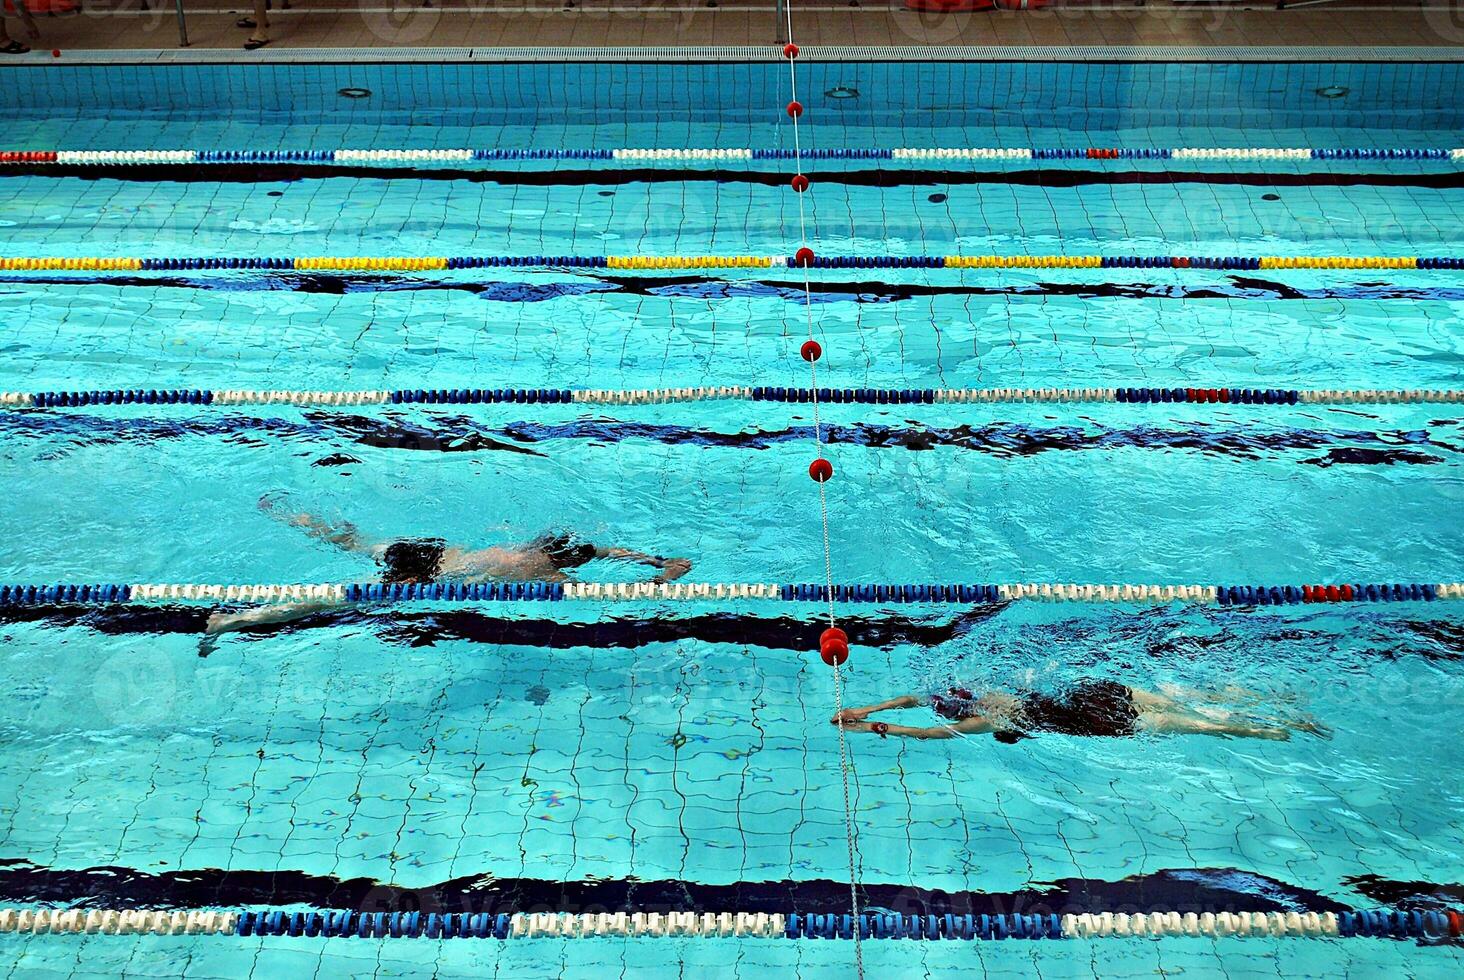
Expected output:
(254, 44)
(15, 47)
(246, 22)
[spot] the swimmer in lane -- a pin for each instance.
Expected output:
(1098, 708)
(547, 558)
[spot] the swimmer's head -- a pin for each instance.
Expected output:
(564, 551)
(416, 560)
(954, 705)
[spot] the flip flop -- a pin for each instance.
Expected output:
(254, 44)
(247, 22)
(15, 47)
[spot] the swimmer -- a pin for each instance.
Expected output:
(547, 558)
(1098, 708)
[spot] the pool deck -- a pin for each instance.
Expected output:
(377, 25)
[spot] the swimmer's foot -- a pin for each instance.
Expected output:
(1311, 726)
(217, 624)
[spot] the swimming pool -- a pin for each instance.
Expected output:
(658, 756)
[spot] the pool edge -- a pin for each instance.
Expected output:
(754, 53)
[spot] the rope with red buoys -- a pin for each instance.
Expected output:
(833, 642)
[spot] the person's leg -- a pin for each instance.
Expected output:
(1150, 701)
(9, 45)
(220, 623)
(1158, 712)
(1188, 723)
(260, 35)
(1228, 694)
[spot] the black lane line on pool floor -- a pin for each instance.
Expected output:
(704, 287)
(424, 629)
(1187, 633)
(237, 173)
(1176, 889)
(437, 433)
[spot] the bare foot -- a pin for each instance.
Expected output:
(1311, 726)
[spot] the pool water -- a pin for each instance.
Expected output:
(490, 758)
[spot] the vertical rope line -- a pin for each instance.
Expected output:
(845, 761)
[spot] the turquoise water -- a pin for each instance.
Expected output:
(388, 756)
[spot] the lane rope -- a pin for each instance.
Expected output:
(104, 593)
(711, 155)
(446, 263)
(814, 396)
(1380, 923)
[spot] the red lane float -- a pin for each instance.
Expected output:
(833, 646)
(821, 470)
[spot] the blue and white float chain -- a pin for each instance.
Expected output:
(662, 396)
(682, 155)
(373, 592)
(1380, 923)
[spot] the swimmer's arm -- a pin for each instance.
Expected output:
(670, 568)
(859, 714)
(966, 726)
(343, 534)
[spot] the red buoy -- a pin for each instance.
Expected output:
(821, 470)
(799, 182)
(833, 646)
(795, 109)
(55, 52)
(804, 256)
(810, 350)
(790, 50)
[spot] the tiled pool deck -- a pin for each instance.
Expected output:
(374, 24)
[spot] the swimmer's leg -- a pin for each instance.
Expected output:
(220, 623)
(1150, 701)
(1229, 694)
(1188, 723)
